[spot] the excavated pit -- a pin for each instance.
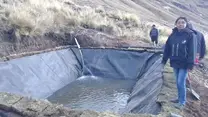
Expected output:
(121, 81)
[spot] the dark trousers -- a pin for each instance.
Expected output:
(154, 39)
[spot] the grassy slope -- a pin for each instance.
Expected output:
(36, 17)
(121, 18)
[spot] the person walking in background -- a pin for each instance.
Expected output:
(179, 48)
(154, 33)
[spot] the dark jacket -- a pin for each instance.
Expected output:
(154, 32)
(180, 49)
(201, 46)
(200, 42)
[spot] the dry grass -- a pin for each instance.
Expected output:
(164, 33)
(33, 19)
(36, 17)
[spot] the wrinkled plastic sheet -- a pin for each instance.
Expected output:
(144, 94)
(112, 63)
(39, 75)
(43, 74)
(8, 114)
(142, 66)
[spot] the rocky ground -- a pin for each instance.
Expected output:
(199, 78)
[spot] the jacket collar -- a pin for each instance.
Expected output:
(187, 30)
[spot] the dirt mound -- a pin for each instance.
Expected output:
(13, 43)
(196, 108)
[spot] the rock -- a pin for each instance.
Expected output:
(52, 110)
(7, 100)
(30, 107)
(175, 115)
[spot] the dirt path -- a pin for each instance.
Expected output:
(199, 81)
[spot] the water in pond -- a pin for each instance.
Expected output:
(94, 93)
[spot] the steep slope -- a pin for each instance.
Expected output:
(161, 11)
(28, 25)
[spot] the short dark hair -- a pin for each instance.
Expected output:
(153, 25)
(184, 18)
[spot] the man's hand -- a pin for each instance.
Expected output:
(201, 62)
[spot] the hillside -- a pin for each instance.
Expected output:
(31, 25)
(28, 25)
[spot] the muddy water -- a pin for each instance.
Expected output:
(94, 93)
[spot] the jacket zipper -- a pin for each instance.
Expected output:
(177, 49)
(185, 52)
(173, 50)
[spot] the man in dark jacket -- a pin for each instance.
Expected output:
(200, 49)
(200, 43)
(154, 35)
